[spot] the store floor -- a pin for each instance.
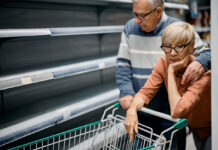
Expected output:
(190, 145)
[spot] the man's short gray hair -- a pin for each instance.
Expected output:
(154, 3)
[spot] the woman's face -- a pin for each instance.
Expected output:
(177, 51)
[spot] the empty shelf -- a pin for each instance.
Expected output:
(51, 118)
(17, 80)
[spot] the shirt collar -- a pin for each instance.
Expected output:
(161, 22)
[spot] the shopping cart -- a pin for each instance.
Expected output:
(107, 134)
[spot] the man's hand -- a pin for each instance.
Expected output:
(131, 123)
(125, 101)
(193, 72)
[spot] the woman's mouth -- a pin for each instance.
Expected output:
(174, 60)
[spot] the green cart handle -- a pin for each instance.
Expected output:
(117, 105)
(181, 124)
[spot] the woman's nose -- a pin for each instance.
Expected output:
(173, 52)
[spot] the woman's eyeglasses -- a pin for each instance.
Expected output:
(178, 49)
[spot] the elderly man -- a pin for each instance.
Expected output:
(139, 51)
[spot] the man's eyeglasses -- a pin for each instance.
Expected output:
(142, 16)
(178, 49)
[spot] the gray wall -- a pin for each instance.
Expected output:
(214, 47)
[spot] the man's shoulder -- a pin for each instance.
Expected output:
(131, 27)
(172, 20)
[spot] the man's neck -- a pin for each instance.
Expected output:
(160, 22)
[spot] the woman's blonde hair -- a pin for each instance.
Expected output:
(179, 32)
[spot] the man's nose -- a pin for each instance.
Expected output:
(137, 20)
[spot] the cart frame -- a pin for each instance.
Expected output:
(109, 133)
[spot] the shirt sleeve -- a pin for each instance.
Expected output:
(192, 96)
(124, 77)
(153, 84)
(202, 52)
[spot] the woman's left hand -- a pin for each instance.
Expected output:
(131, 123)
(177, 66)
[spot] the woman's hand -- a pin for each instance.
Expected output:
(131, 123)
(177, 66)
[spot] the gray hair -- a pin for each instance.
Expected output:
(154, 3)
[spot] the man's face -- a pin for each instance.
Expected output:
(151, 16)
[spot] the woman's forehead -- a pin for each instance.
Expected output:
(175, 41)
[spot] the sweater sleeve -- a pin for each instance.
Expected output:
(192, 96)
(203, 53)
(154, 82)
(124, 70)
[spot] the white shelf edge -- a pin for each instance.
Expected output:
(167, 4)
(22, 79)
(85, 30)
(6, 33)
(176, 6)
(202, 29)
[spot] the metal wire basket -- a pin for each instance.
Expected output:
(107, 134)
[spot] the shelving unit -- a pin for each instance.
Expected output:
(88, 82)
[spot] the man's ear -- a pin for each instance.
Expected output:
(159, 10)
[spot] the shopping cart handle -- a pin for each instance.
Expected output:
(158, 114)
(117, 104)
(181, 124)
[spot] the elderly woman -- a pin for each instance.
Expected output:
(191, 101)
